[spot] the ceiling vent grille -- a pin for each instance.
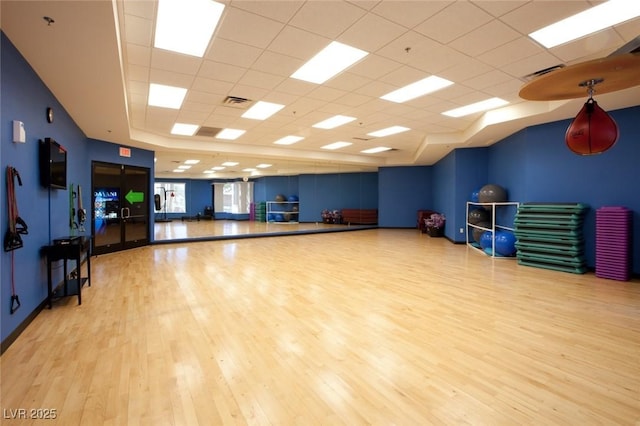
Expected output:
(236, 102)
(361, 139)
(544, 71)
(208, 132)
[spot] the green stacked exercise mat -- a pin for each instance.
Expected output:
(549, 235)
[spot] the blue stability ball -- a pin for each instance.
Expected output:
(293, 198)
(479, 215)
(279, 217)
(486, 240)
(474, 196)
(505, 243)
(492, 193)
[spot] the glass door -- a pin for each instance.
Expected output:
(120, 213)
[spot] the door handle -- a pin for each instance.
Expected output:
(125, 212)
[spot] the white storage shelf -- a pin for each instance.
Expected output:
(494, 225)
(288, 209)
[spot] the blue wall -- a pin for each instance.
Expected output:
(336, 191)
(46, 211)
(402, 191)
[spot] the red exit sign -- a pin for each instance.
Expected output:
(125, 152)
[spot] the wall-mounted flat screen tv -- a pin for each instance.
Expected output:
(53, 164)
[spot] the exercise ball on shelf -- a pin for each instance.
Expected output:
(293, 198)
(486, 240)
(474, 196)
(479, 215)
(279, 217)
(477, 232)
(281, 198)
(505, 243)
(492, 193)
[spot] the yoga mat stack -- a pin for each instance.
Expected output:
(549, 236)
(613, 243)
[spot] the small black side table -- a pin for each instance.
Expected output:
(70, 248)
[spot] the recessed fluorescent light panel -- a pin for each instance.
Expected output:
(207, 172)
(330, 61)
(186, 26)
(218, 168)
(376, 150)
(249, 169)
(388, 131)
(337, 145)
(230, 163)
(230, 134)
(477, 107)
(288, 140)
(166, 96)
(183, 167)
(263, 166)
(589, 21)
(419, 88)
(178, 171)
(333, 122)
(183, 129)
(191, 161)
(262, 110)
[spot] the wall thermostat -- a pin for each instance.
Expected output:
(19, 135)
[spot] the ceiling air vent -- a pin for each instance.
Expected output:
(544, 71)
(236, 102)
(208, 132)
(361, 139)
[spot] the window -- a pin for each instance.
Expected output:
(172, 196)
(233, 197)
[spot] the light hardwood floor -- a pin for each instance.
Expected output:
(370, 327)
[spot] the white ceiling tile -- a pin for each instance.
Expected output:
(371, 32)
(353, 99)
(418, 44)
(596, 46)
(326, 93)
(137, 87)
(376, 89)
(402, 76)
(484, 38)
(278, 64)
(513, 51)
(221, 71)
(487, 80)
(499, 8)
(374, 66)
(328, 19)
(464, 70)
(138, 73)
(232, 53)
(629, 30)
(505, 89)
(295, 87)
(347, 81)
(298, 43)
(278, 10)
(537, 14)
(454, 21)
(138, 54)
(138, 30)
(170, 78)
(142, 9)
(409, 13)
(210, 86)
(192, 106)
(436, 59)
(248, 28)
(191, 117)
(532, 64)
(262, 80)
(204, 98)
(169, 61)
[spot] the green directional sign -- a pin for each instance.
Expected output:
(134, 197)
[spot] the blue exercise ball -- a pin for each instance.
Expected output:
(474, 196)
(486, 240)
(505, 243)
(279, 217)
(293, 198)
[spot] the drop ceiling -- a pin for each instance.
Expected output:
(97, 59)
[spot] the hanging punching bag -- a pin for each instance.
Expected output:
(593, 131)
